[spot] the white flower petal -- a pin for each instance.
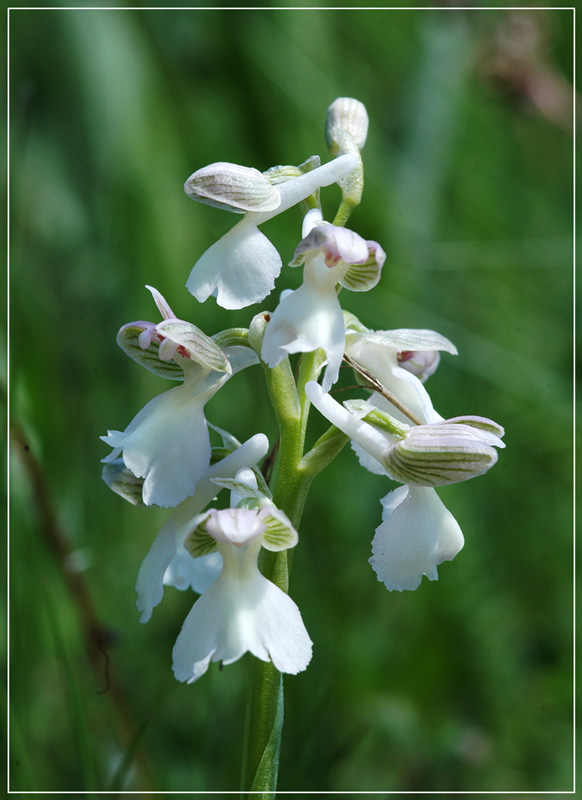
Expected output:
(236, 526)
(283, 631)
(161, 303)
(401, 339)
(364, 275)
(150, 578)
(280, 533)
(232, 187)
(366, 460)
(374, 441)
(306, 320)
(195, 343)
(233, 617)
(240, 268)
(334, 242)
(382, 362)
(185, 572)
(310, 220)
(417, 534)
(167, 444)
(240, 357)
(422, 363)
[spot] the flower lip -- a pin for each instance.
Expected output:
(241, 611)
(416, 535)
(421, 363)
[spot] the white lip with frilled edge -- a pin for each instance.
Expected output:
(167, 442)
(417, 534)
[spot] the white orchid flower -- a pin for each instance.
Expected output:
(168, 562)
(241, 611)
(311, 317)
(418, 532)
(401, 360)
(167, 442)
(240, 268)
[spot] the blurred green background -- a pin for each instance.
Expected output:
(462, 685)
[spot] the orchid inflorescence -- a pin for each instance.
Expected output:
(164, 457)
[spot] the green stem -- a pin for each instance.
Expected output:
(344, 212)
(264, 715)
(263, 726)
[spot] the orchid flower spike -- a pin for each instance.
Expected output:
(240, 269)
(311, 317)
(241, 611)
(418, 532)
(167, 442)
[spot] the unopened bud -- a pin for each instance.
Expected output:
(232, 187)
(257, 330)
(346, 116)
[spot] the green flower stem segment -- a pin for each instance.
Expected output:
(263, 727)
(264, 715)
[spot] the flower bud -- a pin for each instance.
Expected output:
(232, 187)
(257, 330)
(346, 116)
